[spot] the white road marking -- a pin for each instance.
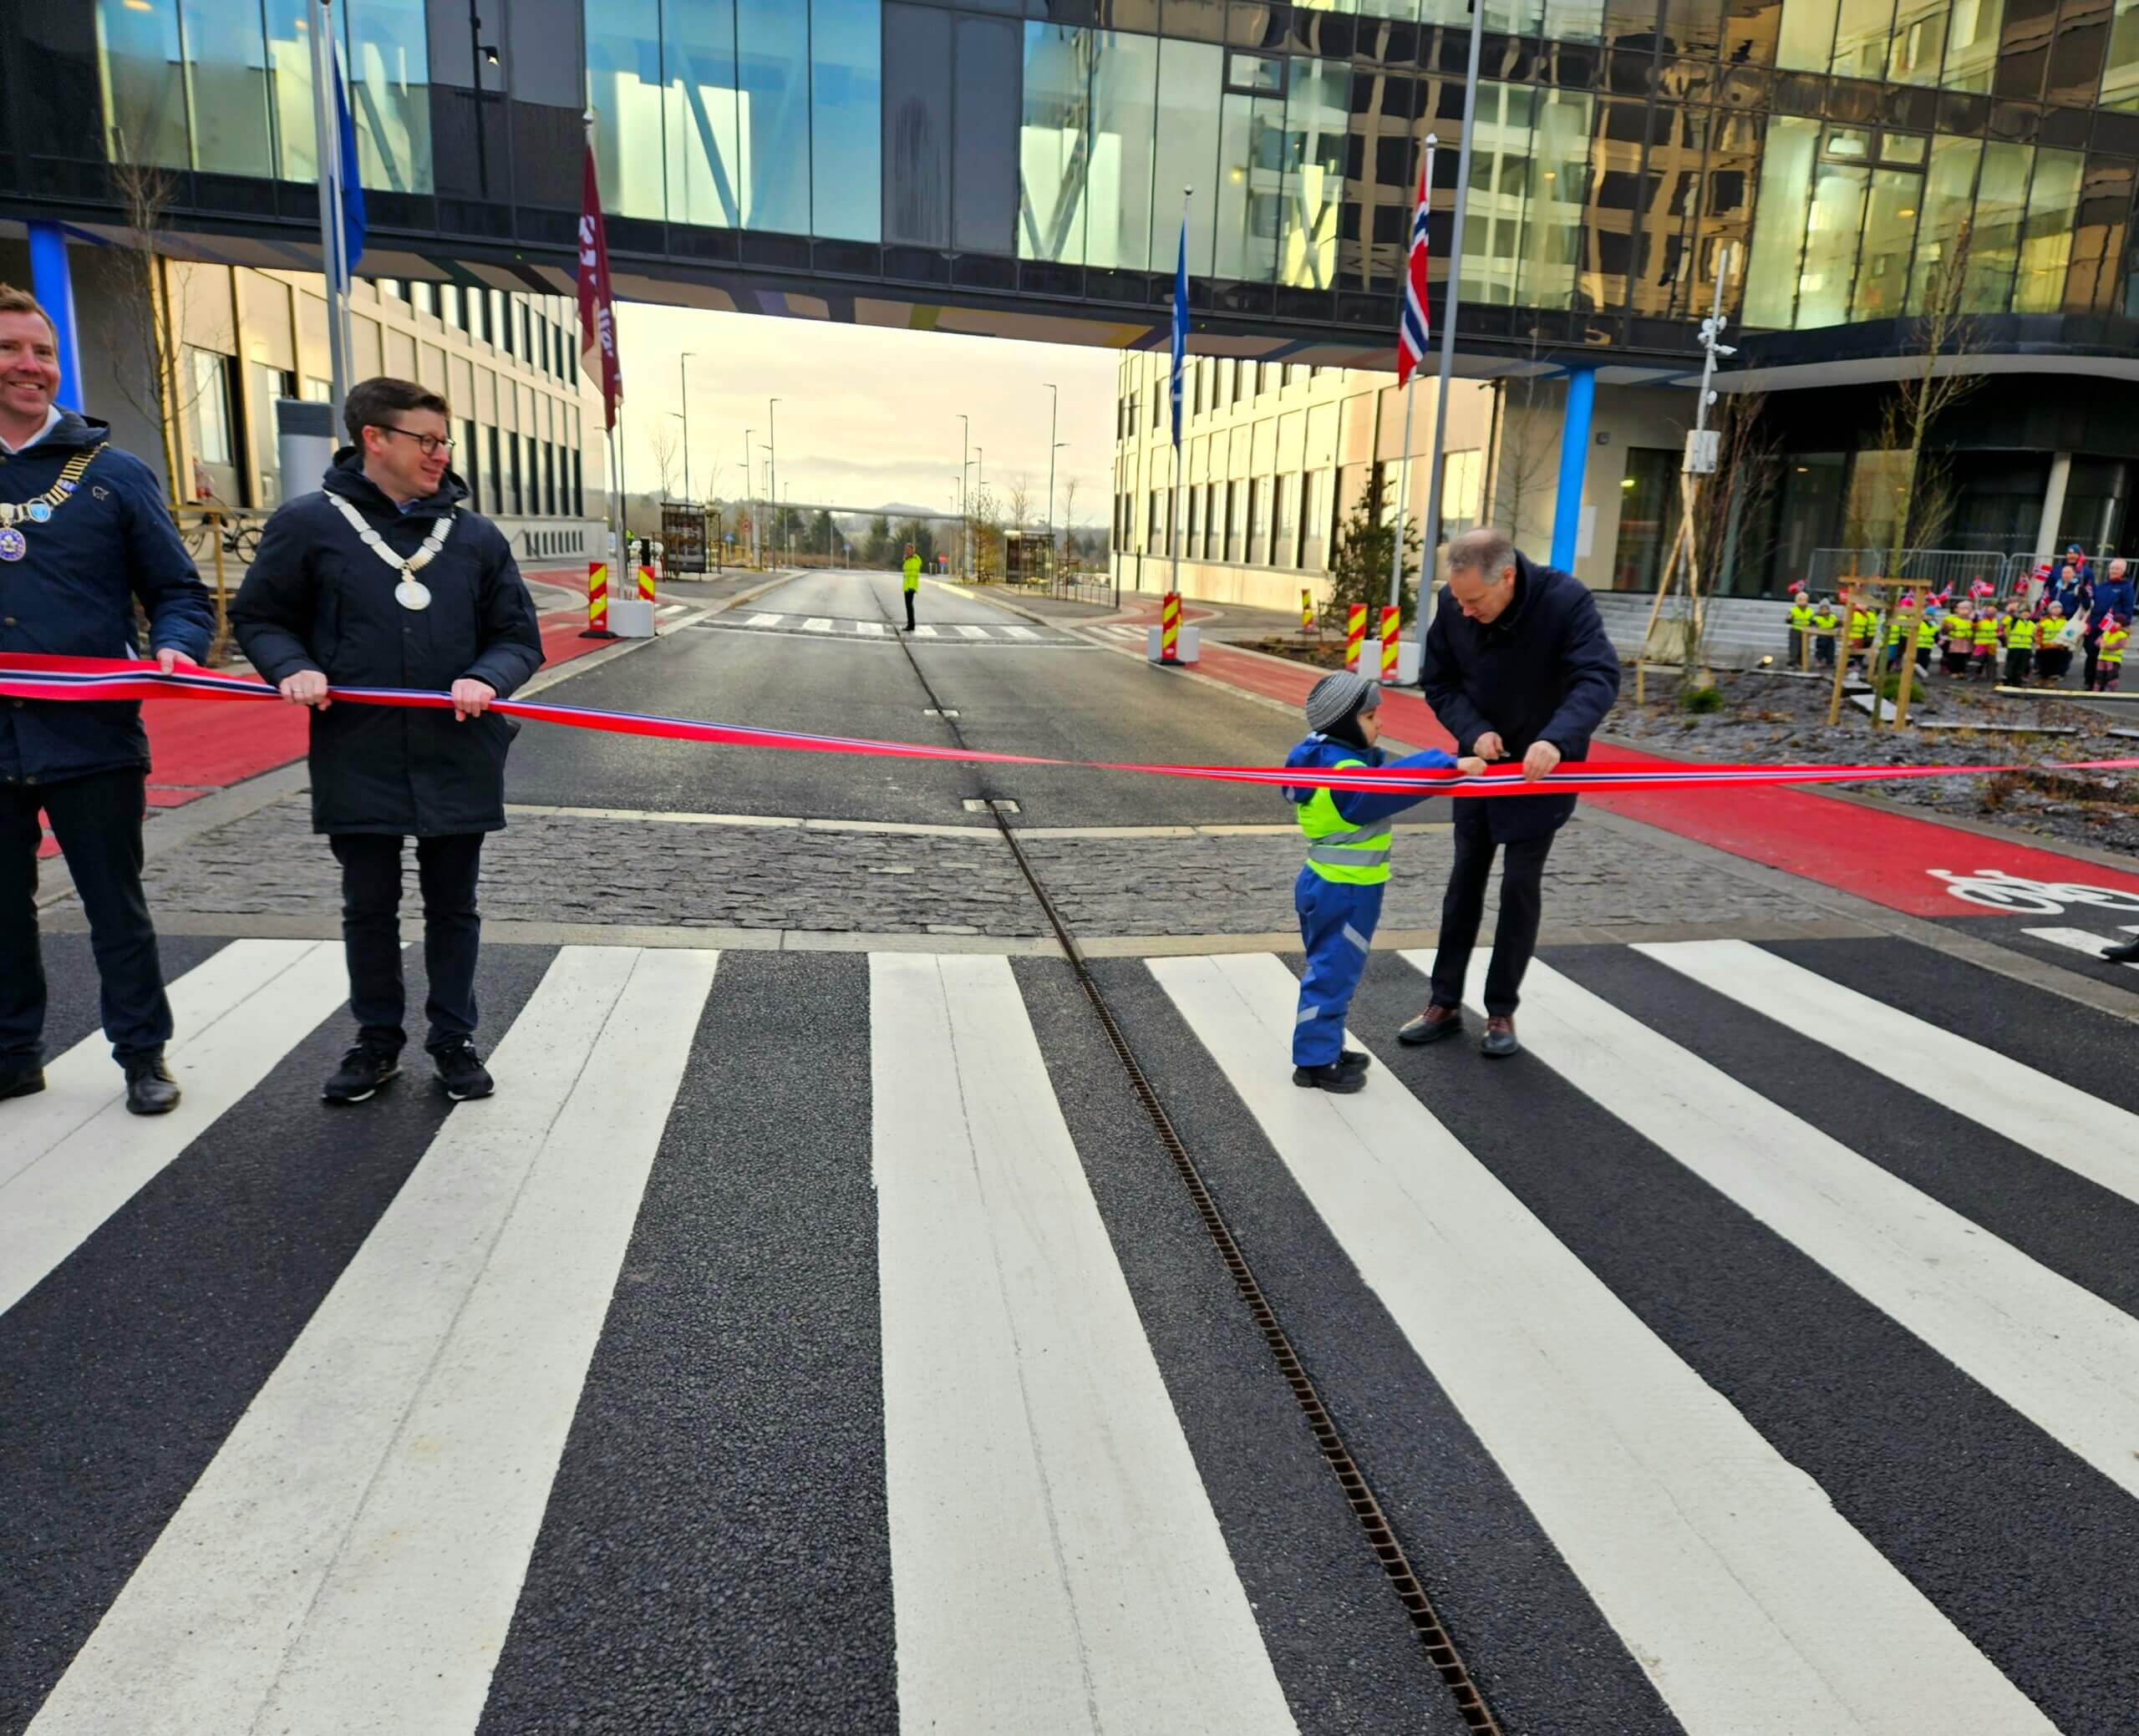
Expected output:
(2080, 940)
(2088, 1136)
(818, 624)
(348, 1563)
(2060, 1355)
(973, 633)
(924, 633)
(1021, 633)
(672, 608)
(1726, 1569)
(1055, 1563)
(874, 629)
(764, 621)
(72, 1156)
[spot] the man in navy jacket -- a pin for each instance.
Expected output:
(85, 533)
(1516, 666)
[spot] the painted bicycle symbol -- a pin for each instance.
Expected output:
(1994, 889)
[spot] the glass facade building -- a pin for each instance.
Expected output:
(1027, 163)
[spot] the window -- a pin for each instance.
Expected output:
(1258, 518)
(471, 457)
(1462, 476)
(1193, 504)
(1210, 545)
(550, 478)
(212, 442)
(578, 486)
(1284, 528)
(390, 93)
(1314, 520)
(227, 73)
(1236, 515)
(2046, 237)
(1648, 502)
(512, 450)
(264, 385)
(1152, 544)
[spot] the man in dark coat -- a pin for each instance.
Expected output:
(85, 533)
(1517, 666)
(380, 579)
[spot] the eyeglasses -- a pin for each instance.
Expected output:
(429, 445)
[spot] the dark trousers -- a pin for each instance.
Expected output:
(1515, 938)
(909, 610)
(446, 871)
(97, 822)
(2092, 645)
(2017, 665)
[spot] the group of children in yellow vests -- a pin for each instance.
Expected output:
(2036, 643)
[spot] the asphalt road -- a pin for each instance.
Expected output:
(1050, 699)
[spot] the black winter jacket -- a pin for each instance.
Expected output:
(317, 598)
(1544, 671)
(73, 593)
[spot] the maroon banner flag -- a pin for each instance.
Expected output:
(597, 304)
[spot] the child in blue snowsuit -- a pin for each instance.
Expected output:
(1338, 893)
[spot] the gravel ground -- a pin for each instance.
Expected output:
(1767, 718)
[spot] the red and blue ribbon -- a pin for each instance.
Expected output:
(29, 676)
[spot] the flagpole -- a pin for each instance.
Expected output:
(1448, 317)
(1411, 384)
(334, 243)
(1174, 386)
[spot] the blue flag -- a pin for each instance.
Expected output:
(352, 186)
(1180, 325)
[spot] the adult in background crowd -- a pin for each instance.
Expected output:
(2112, 596)
(1516, 666)
(84, 534)
(381, 579)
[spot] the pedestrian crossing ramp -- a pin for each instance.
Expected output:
(1712, 1347)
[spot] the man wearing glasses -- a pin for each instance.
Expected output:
(382, 579)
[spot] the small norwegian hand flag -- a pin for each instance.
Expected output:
(1411, 328)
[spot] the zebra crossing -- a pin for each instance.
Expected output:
(804, 1342)
(999, 634)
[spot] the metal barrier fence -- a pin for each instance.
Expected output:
(1955, 569)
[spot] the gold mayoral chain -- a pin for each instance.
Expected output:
(39, 508)
(411, 593)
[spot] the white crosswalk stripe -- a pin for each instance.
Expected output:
(427, 1400)
(2087, 1135)
(2055, 1353)
(1067, 1541)
(74, 1156)
(870, 629)
(1021, 1399)
(973, 633)
(1021, 633)
(1727, 1570)
(817, 624)
(925, 631)
(764, 621)
(2079, 940)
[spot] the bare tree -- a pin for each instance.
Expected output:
(1018, 501)
(1069, 510)
(147, 307)
(1520, 484)
(663, 446)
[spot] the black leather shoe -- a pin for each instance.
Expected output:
(151, 1090)
(1358, 1059)
(25, 1078)
(1336, 1078)
(1432, 1025)
(2128, 953)
(1499, 1041)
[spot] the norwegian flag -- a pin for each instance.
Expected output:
(1411, 327)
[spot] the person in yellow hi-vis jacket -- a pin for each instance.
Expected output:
(909, 581)
(1990, 632)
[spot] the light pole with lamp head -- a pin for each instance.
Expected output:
(772, 453)
(965, 519)
(1054, 413)
(684, 387)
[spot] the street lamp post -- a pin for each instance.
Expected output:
(747, 479)
(683, 385)
(965, 519)
(1053, 410)
(772, 454)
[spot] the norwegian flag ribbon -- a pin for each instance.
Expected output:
(1412, 329)
(30, 676)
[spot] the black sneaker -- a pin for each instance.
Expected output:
(362, 1071)
(1336, 1078)
(461, 1071)
(22, 1078)
(151, 1090)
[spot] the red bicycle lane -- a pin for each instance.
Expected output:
(1896, 860)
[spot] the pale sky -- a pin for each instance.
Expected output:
(866, 415)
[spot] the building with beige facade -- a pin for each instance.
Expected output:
(1275, 456)
(527, 426)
